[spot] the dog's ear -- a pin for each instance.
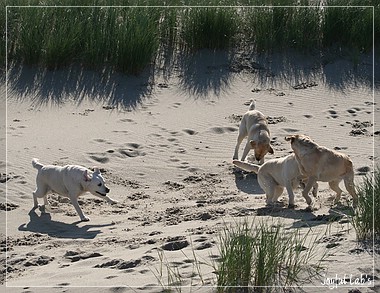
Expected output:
(271, 151)
(96, 170)
(290, 138)
(252, 143)
(86, 177)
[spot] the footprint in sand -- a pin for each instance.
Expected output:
(354, 111)
(291, 130)
(222, 130)
(75, 256)
(100, 140)
(202, 243)
(99, 157)
(130, 150)
(363, 170)
(120, 131)
(63, 284)
(175, 133)
(337, 148)
(175, 245)
(190, 131)
(173, 159)
(121, 264)
(128, 120)
(183, 165)
(333, 114)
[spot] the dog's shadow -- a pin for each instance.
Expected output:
(45, 225)
(306, 218)
(247, 182)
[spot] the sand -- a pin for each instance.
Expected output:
(165, 145)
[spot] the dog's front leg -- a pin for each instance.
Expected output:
(305, 193)
(74, 201)
(247, 148)
(111, 200)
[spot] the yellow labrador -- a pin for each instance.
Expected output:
(254, 126)
(70, 181)
(319, 163)
(276, 174)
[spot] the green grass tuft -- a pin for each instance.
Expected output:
(366, 219)
(262, 257)
(208, 28)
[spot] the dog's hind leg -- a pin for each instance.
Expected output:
(349, 184)
(334, 185)
(315, 190)
(272, 190)
(40, 191)
(289, 189)
(278, 190)
(273, 194)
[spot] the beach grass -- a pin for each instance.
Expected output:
(366, 219)
(131, 39)
(208, 28)
(254, 256)
(264, 256)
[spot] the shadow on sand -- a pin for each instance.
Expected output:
(247, 182)
(198, 75)
(45, 87)
(304, 218)
(45, 225)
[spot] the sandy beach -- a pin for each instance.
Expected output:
(164, 144)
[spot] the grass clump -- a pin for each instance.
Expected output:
(270, 28)
(125, 38)
(366, 219)
(348, 26)
(262, 257)
(208, 28)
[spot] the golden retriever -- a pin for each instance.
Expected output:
(319, 163)
(254, 126)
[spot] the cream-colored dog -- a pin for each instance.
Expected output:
(319, 163)
(275, 175)
(254, 126)
(70, 181)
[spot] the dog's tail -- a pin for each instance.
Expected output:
(252, 106)
(36, 164)
(246, 166)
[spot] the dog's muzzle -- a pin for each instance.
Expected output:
(102, 194)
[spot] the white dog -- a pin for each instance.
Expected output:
(254, 126)
(71, 181)
(276, 174)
